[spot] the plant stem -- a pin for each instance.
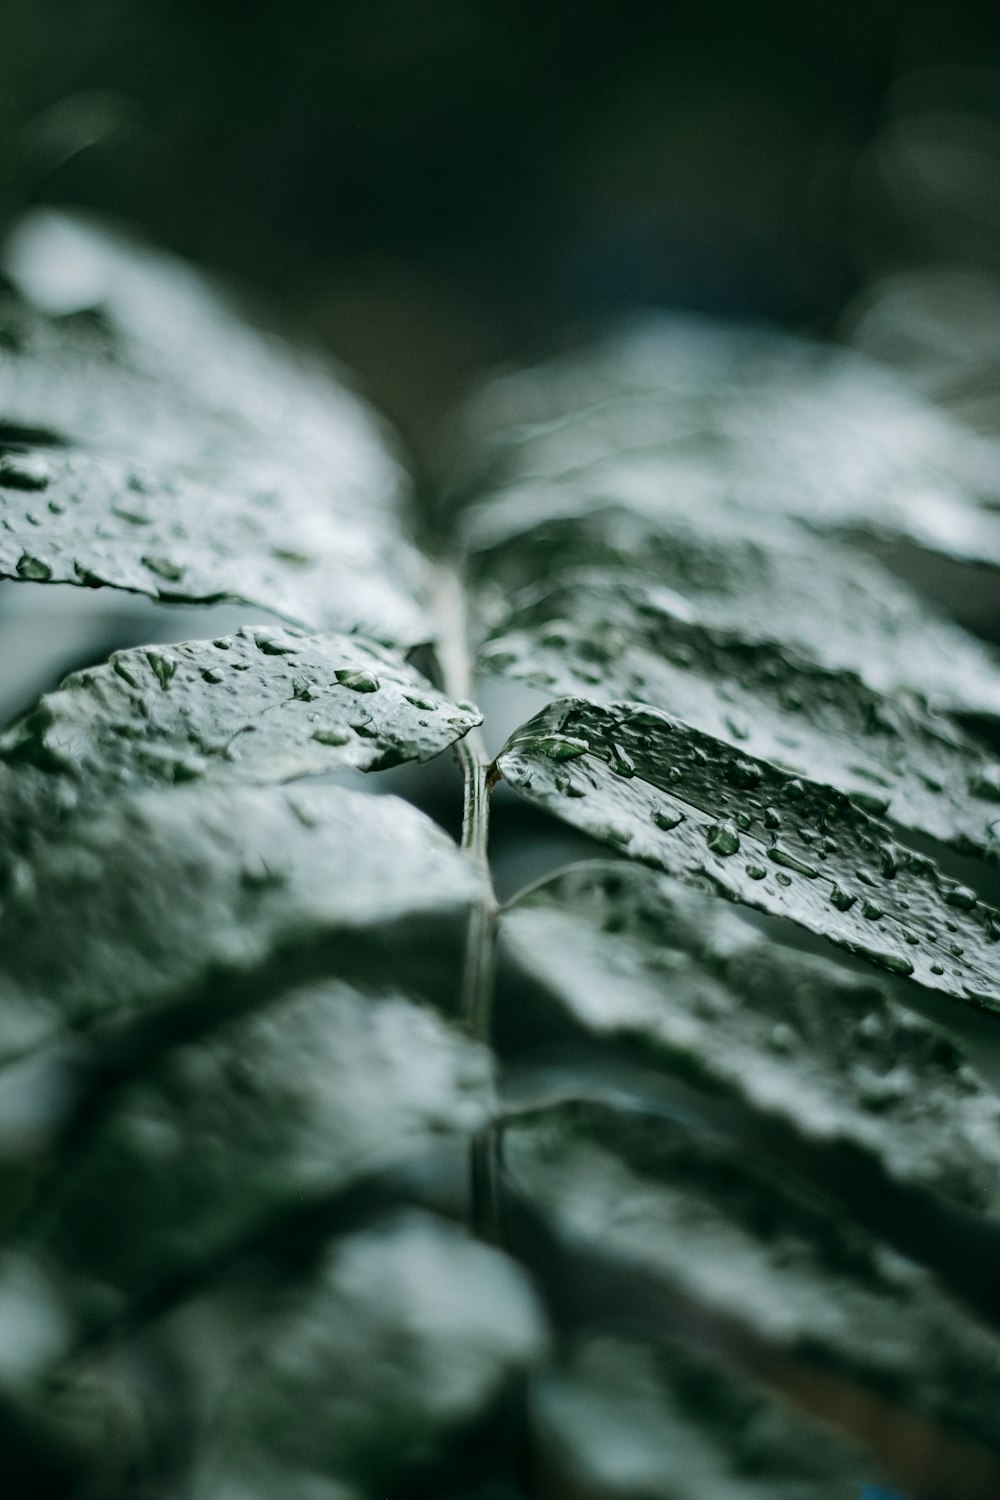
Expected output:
(478, 978)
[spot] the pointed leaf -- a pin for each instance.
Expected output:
(188, 901)
(628, 956)
(607, 638)
(267, 1115)
(762, 423)
(401, 1337)
(697, 808)
(261, 705)
(159, 445)
(729, 1246)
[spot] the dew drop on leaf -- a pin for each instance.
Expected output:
(358, 682)
(723, 838)
(33, 569)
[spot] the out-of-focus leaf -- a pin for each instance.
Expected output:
(260, 705)
(726, 1245)
(195, 899)
(623, 1418)
(749, 576)
(628, 956)
(403, 1334)
(698, 808)
(151, 441)
(755, 421)
(606, 638)
(265, 1116)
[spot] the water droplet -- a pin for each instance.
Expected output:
(618, 834)
(666, 818)
(791, 861)
(961, 896)
(772, 817)
(743, 773)
(620, 762)
(163, 568)
(163, 666)
(126, 674)
(896, 963)
(871, 910)
(870, 803)
(27, 472)
(33, 569)
(212, 674)
(743, 821)
(304, 690)
(794, 790)
(782, 1038)
(756, 872)
(783, 879)
(274, 645)
(562, 746)
(358, 682)
(937, 968)
(723, 838)
(331, 736)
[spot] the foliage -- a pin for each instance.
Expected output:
(338, 1179)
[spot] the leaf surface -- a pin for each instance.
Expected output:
(151, 441)
(761, 422)
(192, 900)
(628, 956)
(264, 704)
(700, 809)
(622, 1417)
(407, 1329)
(265, 1116)
(607, 638)
(728, 1245)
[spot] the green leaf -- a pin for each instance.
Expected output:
(611, 638)
(158, 444)
(753, 421)
(262, 1118)
(189, 901)
(399, 1339)
(633, 959)
(698, 808)
(620, 1417)
(748, 575)
(264, 704)
(689, 1229)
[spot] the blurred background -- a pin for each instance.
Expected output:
(430, 188)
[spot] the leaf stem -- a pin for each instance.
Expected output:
(478, 979)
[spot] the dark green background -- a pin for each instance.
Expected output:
(433, 185)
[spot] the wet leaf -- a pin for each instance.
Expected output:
(695, 1234)
(753, 421)
(609, 638)
(407, 1329)
(621, 1417)
(749, 576)
(158, 444)
(192, 901)
(698, 808)
(633, 958)
(264, 704)
(224, 1137)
